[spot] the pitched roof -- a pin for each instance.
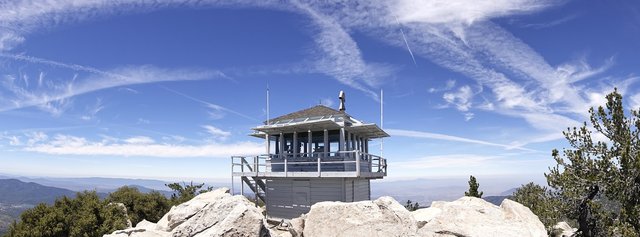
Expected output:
(315, 111)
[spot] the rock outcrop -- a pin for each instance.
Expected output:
(215, 213)
(464, 217)
(382, 217)
(476, 217)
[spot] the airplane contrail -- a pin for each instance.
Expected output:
(210, 105)
(405, 42)
(59, 64)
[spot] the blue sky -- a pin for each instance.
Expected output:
(171, 89)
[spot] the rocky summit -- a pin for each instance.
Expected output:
(215, 213)
(218, 213)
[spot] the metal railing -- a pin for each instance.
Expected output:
(341, 161)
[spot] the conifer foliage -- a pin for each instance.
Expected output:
(87, 215)
(473, 188)
(598, 180)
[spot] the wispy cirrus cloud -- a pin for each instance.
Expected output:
(216, 133)
(56, 97)
(217, 112)
(140, 146)
(339, 56)
(444, 137)
(139, 140)
(445, 161)
(462, 37)
(463, 164)
(463, 11)
(8, 40)
(547, 24)
(457, 35)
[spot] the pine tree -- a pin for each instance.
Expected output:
(411, 206)
(541, 201)
(599, 180)
(473, 188)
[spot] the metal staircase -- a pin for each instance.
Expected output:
(255, 183)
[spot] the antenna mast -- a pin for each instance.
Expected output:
(266, 135)
(268, 122)
(381, 121)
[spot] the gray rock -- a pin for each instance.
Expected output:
(562, 229)
(145, 224)
(475, 217)
(218, 213)
(296, 226)
(215, 213)
(138, 232)
(382, 217)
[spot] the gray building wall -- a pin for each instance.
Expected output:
(288, 198)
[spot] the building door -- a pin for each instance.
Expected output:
(301, 196)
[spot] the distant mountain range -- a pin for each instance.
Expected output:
(21, 193)
(17, 196)
(425, 191)
(13, 191)
(94, 183)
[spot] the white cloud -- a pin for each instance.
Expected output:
(56, 98)
(461, 98)
(457, 35)
(35, 137)
(14, 141)
(634, 101)
(444, 161)
(551, 23)
(55, 107)
(468, 116)
(460, 36)
(444, 137)
(174, 138)
(93, 110)
(143, 121)
(215, 114)
(140, 140)
(449, 165)
(216, 132)
(144, 147)
(127, 89)
(8, 40)
(108, 139)
(341, 57)
(449, 84)
(67, 140)
(462, 11)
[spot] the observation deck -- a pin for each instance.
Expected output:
(345, 164)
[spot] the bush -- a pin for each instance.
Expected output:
(140, 206)
(542, 202)
(85, 215)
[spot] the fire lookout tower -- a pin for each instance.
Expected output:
(313, 155)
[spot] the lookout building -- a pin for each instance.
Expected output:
(312, 155)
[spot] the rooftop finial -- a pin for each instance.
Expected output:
(342, 99)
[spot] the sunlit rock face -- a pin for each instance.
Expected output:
(215, 213)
